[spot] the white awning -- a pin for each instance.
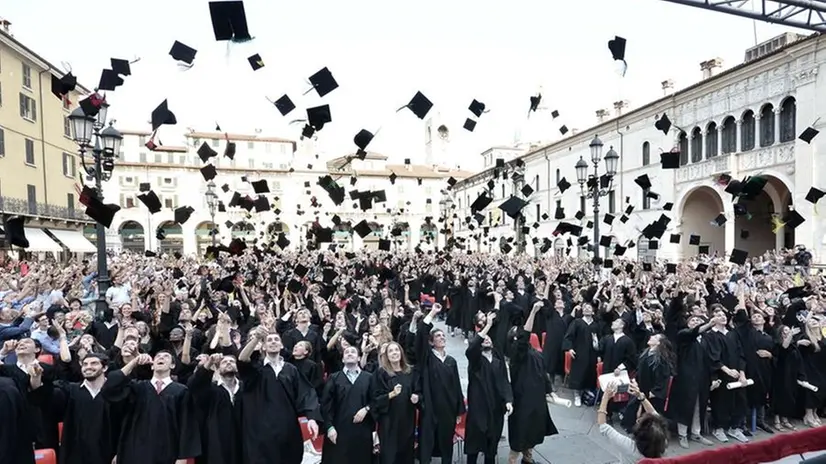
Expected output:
(74, 241)
(39, 241)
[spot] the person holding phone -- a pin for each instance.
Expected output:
(649, 437)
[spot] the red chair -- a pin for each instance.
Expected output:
(544, 336)
(668, 393)
(618, 397)
(535, 342)
(459, 431)
(568, 361)
(60, 432)
(45, 456)
(46, 359)
(318, 443)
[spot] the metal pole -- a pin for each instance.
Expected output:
(212, 219)
(103, 270)
(596, 214)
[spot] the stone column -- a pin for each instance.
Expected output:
(777, 125)
(730, 228)
(415, 230)
(719, 140)
(703, 151)
(738, 138)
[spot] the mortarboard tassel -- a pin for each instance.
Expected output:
(798, 281)
(777, 224)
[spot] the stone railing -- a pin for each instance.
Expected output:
(704, 169)
(19, 206)
(752, 160)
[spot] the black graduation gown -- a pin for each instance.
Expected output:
(312, 371)
(692, 382)
(531, 421)
(814, 367)
(90, 426)
(293, 336)
(220, 419)
(580, 338)
(723, 349)
(466, 305)
(784, 385)
(396, 418)
(157, 428)
(17, 432)
(340, 402)
(44, 415)
(487, 392)
(271, 407)
(556, 326)
(442, 401)
(757, 368)
(616, 352)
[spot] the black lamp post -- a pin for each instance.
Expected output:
(103, 144)
(592, 182)
(445, 209)
(212, 203)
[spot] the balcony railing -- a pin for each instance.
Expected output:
(19, 206)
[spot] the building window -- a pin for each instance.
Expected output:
(215, 143)
(28, 108)
(70, 203)
(747, 131)
(646, 153)
(612, 202)
(711, 140)
(67, 103)
(2, 142)
(683, 149)
(31, 192)
(30, 152)
(646, 201)
(167, 181)
(251, 163)
(67, 127)
(268, 147)
(170, 158)
(729, 134)
(558, 176)
(788, 114)
(558, 206)
(182, 160)
(536, 182)
(167, 203)
(503, 191)
(766, 125)
(158, 158)
(250, 145)
(27, 76)
(141, 140)
(142, 157)
(696, 145)
(69, 168)
(130, 202)
(538, 213)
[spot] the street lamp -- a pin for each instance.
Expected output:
(103, 144)
(592, 182)
(212, 202)
(445, 208)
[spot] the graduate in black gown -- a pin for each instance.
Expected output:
(556, 325)
(219, 408)
(758, 350)
(16, 434)
(345, 407)
(582, 341)
(159, 424)
(466, 303)
(274, 396)
(441, 390)
(394, 406)
(530, 421)
(488, 393)
(300, 329)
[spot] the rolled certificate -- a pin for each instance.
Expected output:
(807, 385)
(733, 385)
(553, 399)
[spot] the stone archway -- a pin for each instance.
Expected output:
(243, 230)
(203, 236)
(699, 208)
(755, 229)
(428, 233)
(132, 236)
(173, 240)
(343, 234)
(403, 238)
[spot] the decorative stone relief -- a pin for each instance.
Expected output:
(803, 77)
(766, 157)
(704, 169)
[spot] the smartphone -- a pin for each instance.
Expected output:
(622, 388)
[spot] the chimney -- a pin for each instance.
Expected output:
(619, 106)
(668, 87)
(602, 114)
(5, 24)
(711, 67)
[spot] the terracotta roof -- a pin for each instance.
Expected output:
(236, 137)
(171, 149)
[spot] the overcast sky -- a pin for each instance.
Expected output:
(381, 53)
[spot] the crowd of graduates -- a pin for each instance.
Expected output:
(245, 358)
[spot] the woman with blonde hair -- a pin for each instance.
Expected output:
(394, 406)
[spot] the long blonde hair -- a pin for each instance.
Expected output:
(385, 363)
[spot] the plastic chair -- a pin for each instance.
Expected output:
(45, 456)
(568, 361)
(318, 443)
(459, 432)
(535, 342)
(46, 359)
(60, 432)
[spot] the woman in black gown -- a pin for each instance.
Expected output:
(394, 406)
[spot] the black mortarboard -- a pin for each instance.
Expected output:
(63, 85)
(363, 229)
(205, 152)
(534, 103)
(323, 82)
(559, 213)
(144, 187)
(160, 234)
(283, 241)
(671, 268)
(121, 66)
(451, 181)
(469, 125)
(318, 116)
(161, 115)
(663, 124)
(229, 21)
(704, 249)
(563, 129)
(481, 202)
(101, 213)
(701, 267)
(284, 105)
(209, 172)
(675, 238)
(109, 80)
(150, 253)
(260, 186)
(670, 159)
(527, 190)
(151, 200)
(605, 240)
(738, 256)
(182, 52)
(294, 286)
(554, 114)
(617, 47)
(668, 206)
(719, 220)
(477, 108)
(16, 232)
(261, 204)
(393, 177)
(744, 234)
(229, 150)
(256, 62)
(419, 105)
(809, 134)
(694, 240)
(814, 195)
(512, 206)
(646, 266)
(362, 139)
(643, 181)
(384, 245)
(608, 219)
(792, 219)
(324, 235)
(563, 185)
(653, 244)
(183, 213)
(579, 215)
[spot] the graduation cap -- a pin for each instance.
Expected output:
(675, 238)
(814, 195)
(229, 21)
(144, 187)
(261, 204)
(793, 219)
(643, 181)
(229, 150)
(384, 245)
(151, 200)
(738, 256)
(419, 105)
(363, 229)
(260, 186)
(120, 66)
(282, 242)
(323, 82)
(563, 185)
(256, 62)
(617, 48)
(209, 172)
(61, 86)
(16, 232)
(109, 80)
(670, 159)
(481, 202)
(809, 134)
(161, 115)
(104, 214)
(318, 116)
(205, 152)
(513, 206)
(527, 190)
(91, 105)
(362, 139)
(694, 240)
(663, 124)
(183, 53)
(284, 105)
(744, 234)
(477, 108)
(534, 103)
(183, 213)
(469, 125)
